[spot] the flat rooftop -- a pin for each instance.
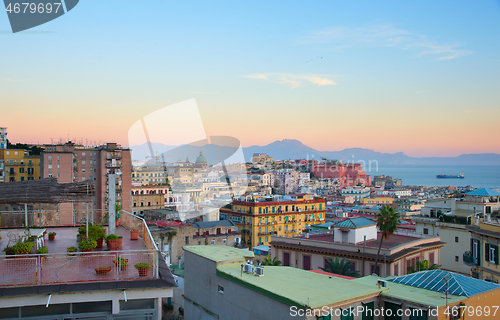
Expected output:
(220, 253)
(299, 287)
(394, 241)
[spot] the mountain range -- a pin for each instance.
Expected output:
(294, 149)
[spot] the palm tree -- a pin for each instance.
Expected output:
(341, 267)
(422, 266)
(269, 262)
(387, 221)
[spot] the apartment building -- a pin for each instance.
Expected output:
(18, 165)
(357, 240)
(284, 181)
(258, 218)
(450, 218)
(357, 193)
(3, 138)
(73, 163)
(223, 283)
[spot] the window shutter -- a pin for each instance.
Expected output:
(472, 247)
(496, 254)
(487, 252)
(479, 252)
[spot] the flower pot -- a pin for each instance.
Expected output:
(99, 242)
(143, 272)
(120, 242)
(134, 235)
(117, 222)
(51, 238)
(103, 270)
(123, 267)
(88, 250)
(113, 244)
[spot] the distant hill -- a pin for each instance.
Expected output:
(294, 149)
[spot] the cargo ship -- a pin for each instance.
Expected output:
(444, 176)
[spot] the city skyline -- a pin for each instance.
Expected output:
(421, 79)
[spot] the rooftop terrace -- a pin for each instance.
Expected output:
(61, 267)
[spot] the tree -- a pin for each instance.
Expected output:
(422, 266)
(341, 267)
(269, 262)
(387, 221)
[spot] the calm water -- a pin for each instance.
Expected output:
(476, 176)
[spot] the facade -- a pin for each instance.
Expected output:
(261, 217)
(72, 163)
(223, 283)
(377, 201)
(450, 218)
(3, 138)
(261, 158)
(357, 240)
(482, 257)
(220, 233)
(357, 193)
(149, 175)
(284, 181)
(18, 165)
(350, 174)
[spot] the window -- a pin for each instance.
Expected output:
(50, 166)
(456, 239)
(220, 289)
(457, 258)
(16, 153)
(368, 311)
(396, 269)
(50, 157)
(21, 170)
(224, 241)
(83, 154)
(22, 178)
(8, 153)
(426, 231)
(491, 253)
(372, 268)
(431, 258)
(83, 161)
(306, 265)
(58, 157)
(212, 242)
(186, 240)
(347, 314)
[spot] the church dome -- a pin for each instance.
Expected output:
(201, 158)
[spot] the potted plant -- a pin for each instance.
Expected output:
(87, 245)
(52, 235)
(9, 251)
(97, 233)
(121, 262)
(120, 242)
(102, 270)
(143, 268)
(112, 241)
(71, 250)
(118, 208)
(23, 248)
(134, 234)
(43, 250)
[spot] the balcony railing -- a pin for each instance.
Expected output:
(469, 259)
(44, 269)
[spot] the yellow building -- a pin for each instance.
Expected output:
(19, 166)
(260, 218)
(376, 201)
(483, 254)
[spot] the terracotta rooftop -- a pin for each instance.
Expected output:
(393, 241)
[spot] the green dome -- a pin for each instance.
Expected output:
(201, 158)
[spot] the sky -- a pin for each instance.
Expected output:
(421, 77)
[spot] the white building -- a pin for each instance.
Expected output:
(355, 192)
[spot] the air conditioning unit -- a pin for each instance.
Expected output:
(248, 268)
(259, 271)
(382, 283)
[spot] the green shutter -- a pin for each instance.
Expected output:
(496, 254)
(487, 252)
(367, 315)
(479, 244)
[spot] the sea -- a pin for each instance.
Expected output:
(425, 175)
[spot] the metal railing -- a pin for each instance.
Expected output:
(133, 222)
(77, 267)
(469, 259)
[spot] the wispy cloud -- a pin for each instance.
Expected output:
(385, 35)
(12, 80)
(294, 80)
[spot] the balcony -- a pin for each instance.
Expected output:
(116, 155)
(290, 231)
(469, 259)
(113, 164)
